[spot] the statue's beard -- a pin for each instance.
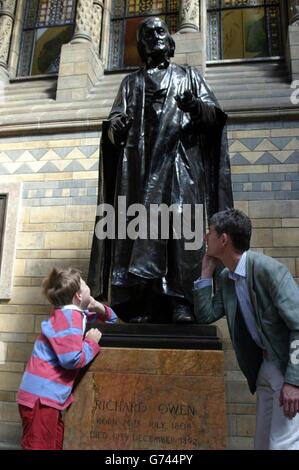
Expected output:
(159, 55)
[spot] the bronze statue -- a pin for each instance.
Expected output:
(164, 143)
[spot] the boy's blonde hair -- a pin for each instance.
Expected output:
(61, 285)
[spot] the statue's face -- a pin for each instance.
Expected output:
(155, 37)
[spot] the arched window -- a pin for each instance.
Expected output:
(243, 29)
(47, 25)
(125, 18)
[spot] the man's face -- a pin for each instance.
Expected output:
(154, 38)
(214, 242)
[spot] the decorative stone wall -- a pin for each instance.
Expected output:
(59, 175)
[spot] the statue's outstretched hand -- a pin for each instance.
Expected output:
(120, 125)
(186, 101)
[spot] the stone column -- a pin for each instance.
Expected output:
(83, 21)
(7, 12)
(190, 47)
(15, 43)
(293, 39)
(80, 66)
(294, 12)
(96, 23)
(189, 16)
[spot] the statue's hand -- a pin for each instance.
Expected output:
(187, 102)
(120, 125)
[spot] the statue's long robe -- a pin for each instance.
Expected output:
(181, 160)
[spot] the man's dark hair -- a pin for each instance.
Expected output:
(61, 285)
(236, 224)
(140, 47)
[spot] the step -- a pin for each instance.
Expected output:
(250, 86)
(28, 97)
(248, 66)
(71, 115)
(32, 83)
(253, 103)
(20, 106)
(246, 73)
(55, 106)
(244, 80)
(249, 94)
(100, 93)
(21, 88)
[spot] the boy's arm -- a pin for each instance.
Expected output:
(98, 312)
(66, 338)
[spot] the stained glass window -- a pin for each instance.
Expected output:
(48, 24)
(126, 16)
(243, 29)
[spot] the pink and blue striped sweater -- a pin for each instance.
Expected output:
(58, 354)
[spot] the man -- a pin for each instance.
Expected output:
(163, 144)
(260, 299)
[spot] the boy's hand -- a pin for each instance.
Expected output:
(94, 334)
(95, 306)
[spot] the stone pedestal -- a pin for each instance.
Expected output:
(161, 388)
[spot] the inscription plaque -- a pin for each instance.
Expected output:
(163, 404)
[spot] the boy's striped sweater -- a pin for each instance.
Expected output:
(58, 354)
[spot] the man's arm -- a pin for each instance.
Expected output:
(285, 294)
(207, 308)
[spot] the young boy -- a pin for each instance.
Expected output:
(58, 353)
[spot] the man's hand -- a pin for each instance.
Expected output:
(209, 264)
(120, 125)
(289, 399)
(187, 102)
(94, 334)
(95, 306)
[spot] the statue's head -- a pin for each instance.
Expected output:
(154, 39)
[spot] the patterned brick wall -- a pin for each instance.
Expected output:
(59, 175)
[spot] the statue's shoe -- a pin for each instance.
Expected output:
(141, 319)
(182, 314)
